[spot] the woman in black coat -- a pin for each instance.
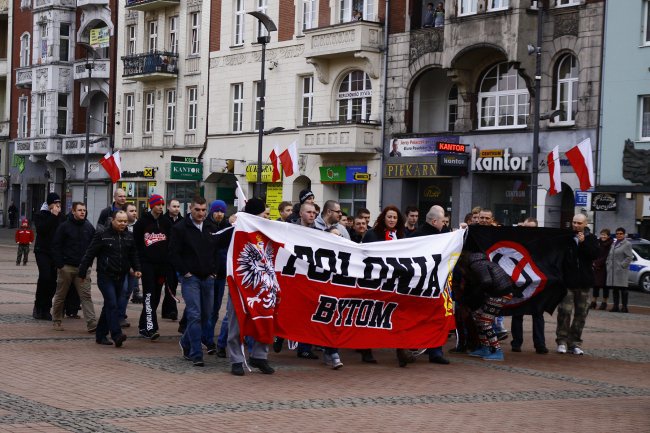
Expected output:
(600, 270)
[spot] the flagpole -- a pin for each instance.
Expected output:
(534, 169)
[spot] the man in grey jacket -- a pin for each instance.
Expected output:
(330, 217)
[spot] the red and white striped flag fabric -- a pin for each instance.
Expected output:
(113, 165)
(553, 161)
(275, 159)
(289, 159)
(582, 161)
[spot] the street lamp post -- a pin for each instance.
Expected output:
(269, 25)
(534, 175)
(89, 66)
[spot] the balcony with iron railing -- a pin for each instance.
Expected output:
(336, 137)
(76, 144)
(156, 65)
(148, 5)
(101, 69)
(24, 77)
(38, 146)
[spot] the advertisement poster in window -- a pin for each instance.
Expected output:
(274, 198)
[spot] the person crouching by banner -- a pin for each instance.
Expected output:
(192, 253)
(259, 352)
(389, 226)
(434, 225)
(492, 289)
(116, 255)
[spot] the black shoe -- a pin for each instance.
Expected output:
(366, 356)
(624, 310)
(277, 344)
(136, 299)
(542, 350)
(237, 369)
(170, 316)
(261, 364)
(144, 333)
(306, 355)
(120, 340)
(185, 352)
(154, 335)
(438, 359)
(404, 357)
(614, 309)
(516, 348)
(221, 352)
(104, 341)
(212, 348)
(502, 335)
(603, 306)
(593, 305)
(198, 363)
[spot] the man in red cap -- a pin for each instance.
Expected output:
(151, 233)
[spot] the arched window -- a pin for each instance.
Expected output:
(25, 50)
(566, 88)
(503, 99)
(355, 96)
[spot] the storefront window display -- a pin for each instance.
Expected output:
(183, 192)
(352, 197)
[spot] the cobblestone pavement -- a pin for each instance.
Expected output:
(64, 382)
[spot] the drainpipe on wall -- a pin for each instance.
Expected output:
(383, 107)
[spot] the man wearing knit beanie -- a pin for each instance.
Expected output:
(151, 234)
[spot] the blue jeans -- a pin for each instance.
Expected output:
(199, 300)
(130, 283)
(111, 289)
(219, 287)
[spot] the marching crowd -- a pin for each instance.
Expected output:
(162, 249)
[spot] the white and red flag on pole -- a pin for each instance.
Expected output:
(112, 163)
(582, 161)
(553, 162)
(241, 197)
(289, 160)
(275, 160)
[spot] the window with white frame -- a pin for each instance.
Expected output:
(173, 34)
(352, 197)
(355, 97)
(646, 22)
(43, 32)
(503, 99)
(170, 110)
(561, 3)
(149, 107)
(645, 119)
(192, 107)
(152, 27)
(23, 116)
(261, 6)
(497, 5)
(307, 99)
(25, 50)
(64, 42)
(309, 14)
(42, 109)
(566, 88)
(195, 33)
(467, 7)
(347, 10)
(130, 40)
(237, 107)
(238, 28)
(105, 117)
(129, 111)
(257, 92)
(62, 114)
(452, 108)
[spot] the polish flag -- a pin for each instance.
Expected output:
(582, 161)
(275, 160)
(553, 160)
(289, 160)
(240, 196)
(113, 165)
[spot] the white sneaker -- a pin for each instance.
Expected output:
(578, 351)
(561, 348)
(336, 361)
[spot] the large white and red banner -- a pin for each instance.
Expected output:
(314, 287)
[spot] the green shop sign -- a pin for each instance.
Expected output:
(332, 174)
(185, 171)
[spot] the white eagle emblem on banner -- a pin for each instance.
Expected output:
(256, 267)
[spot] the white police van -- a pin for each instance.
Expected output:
(639, 271)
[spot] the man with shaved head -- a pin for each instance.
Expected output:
(119, 203)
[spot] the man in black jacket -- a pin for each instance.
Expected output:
(116, 256)
(46, 222)
(192, 252)
(581, 251)
(119, 203)
(151, 234)
(433, 226)
(169, 308)
(70, 242)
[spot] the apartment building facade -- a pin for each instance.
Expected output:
(55, 99)
(161, 107)
(5, 105)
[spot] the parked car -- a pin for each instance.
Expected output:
(639, 270)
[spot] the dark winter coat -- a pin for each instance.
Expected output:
(105, 215)
(115, 252)
(71, 241)
(600, 264)
(222, 250)
(578, 271)
(152, 238)
(46, 224)
(425, 230)
(193, 251)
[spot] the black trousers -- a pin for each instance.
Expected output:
(517, 329)
(46, 283)
(169, 306)
(153, 280)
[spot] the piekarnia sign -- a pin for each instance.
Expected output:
(314, 287)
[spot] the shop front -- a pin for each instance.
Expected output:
(352, 185)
